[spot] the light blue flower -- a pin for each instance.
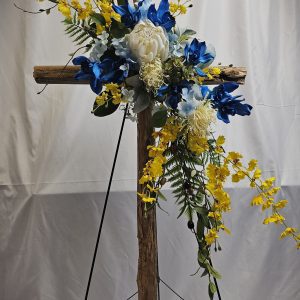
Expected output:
(144, 6)
(100, 47)
(189, 103)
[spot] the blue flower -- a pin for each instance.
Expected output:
(89, 71)
(172, 93)
(226, 104)
(196, 53)
(111, 68)
(161, 16)
(130, 16)
(190, 103)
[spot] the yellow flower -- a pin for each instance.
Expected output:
(220, 140)
(196, 144)
(102, 99)
(267, 203)
(64, 8)
(146, 198)
(82, 12)
(144, 179)
(273, 191)
(234, 158)
(275, 218)
(240, 175)
(280, 204)
(223, 227)
(257, 174)
(107, 12)
(257, 200)
(152, 189)
(215, 215)
(267, 184)
(288, 231)
(215, 71)
(252, 164)
(155, 151)
(211, 236)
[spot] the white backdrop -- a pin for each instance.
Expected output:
(56, 157)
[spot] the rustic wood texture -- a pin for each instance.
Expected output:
(147, 239)
(61, 75)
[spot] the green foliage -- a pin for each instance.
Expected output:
(104, 110)
(80, 31)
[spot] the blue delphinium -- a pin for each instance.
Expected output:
(226, 104)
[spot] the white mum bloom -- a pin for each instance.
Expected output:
(147, 42)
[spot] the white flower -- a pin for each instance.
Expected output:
(127, 95)
(147, 42)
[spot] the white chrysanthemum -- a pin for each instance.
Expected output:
(147, 42)
(201, 119)
(152, 74)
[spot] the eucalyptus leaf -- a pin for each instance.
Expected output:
(141, 101)
(159, 118)
(134, 81)
(105, 110)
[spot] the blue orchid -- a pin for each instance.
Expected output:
(161, 16)
(130, 16)
(226, 104)
(111, 68)
(89, 71)
(173, 93)
(196, 54)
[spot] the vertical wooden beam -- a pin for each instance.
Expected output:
(146, 223)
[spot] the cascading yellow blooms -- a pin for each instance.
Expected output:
(153, 169)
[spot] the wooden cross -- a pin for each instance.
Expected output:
(147, 277)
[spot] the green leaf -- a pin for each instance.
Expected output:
(213, 272)
(205, 272)
(210, 293)
(202, 210)
(104, 110)
(212, 287)
(117, 29)
(141, 100)
(159, 118)
(189, 32)
(161, 195)
(121, 2)
(98, 18)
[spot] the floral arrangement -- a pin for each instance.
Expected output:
(141, 59)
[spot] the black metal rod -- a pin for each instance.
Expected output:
(105, 206)
(132, 296)
(171, 289)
